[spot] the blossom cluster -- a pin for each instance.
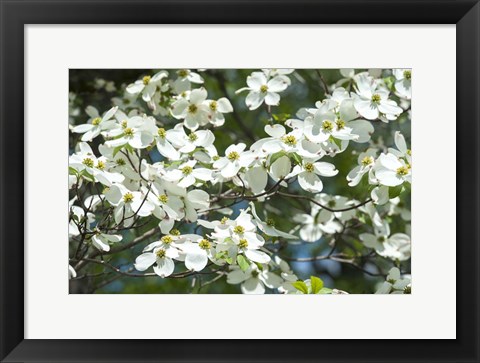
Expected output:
(152, 156)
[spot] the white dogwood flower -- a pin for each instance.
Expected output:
(395, 283)
(217, 109)
(135, 131)
(392, 171)
(366, 161)
(254, 280)
(187, 143)
(161, 253)
(370, 101)
(198, 251)
(127, 203)
(193, 110)
(96, 124)
(185, 79)
(395, 247)
(308, 174)
(102, 241)
(234, 159)
(263, 90)
(147, 86)
(403, 83)
(186, 174)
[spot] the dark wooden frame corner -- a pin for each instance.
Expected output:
(15, 14)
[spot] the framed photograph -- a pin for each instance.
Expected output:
(239, 181)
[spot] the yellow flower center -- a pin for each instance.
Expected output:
(193, 136)
(215, 158)
(270, 222)
(243, 243)
(100, 165)
(264, 88)
(120, 162)
(409, 152)
(340, 124)
(183, 73)
(367, 160)
(146, 80)
(167, 239)
(192, 108)
(213, 105)
(204, 244)
(88, 162)
(175, 232)
(376, 98)
(128, 132)
(407, 75)
(162, 133)
(224, 220)
(238, 229)
(163, 198)
(327, 125)
(403, 170)
(186, 170)
(309, 167)
(289, 140)
(96, 121)
(161, 253)
(128, 197)
(124, 124)
(232, 156)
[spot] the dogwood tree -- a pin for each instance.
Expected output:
(240, 181)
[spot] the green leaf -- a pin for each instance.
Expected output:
(300, 286)
(297, 159)
(336, 141)
(277, 156)
(87, 176)
(72, 171)
(317, 284)
(117, 149)
(325, 290)
(221, 255)
(242, 262)
(390, 82)
(394, 192)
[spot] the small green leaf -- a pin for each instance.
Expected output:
(394, 192)
(335, 141)
(242, 262)
(300, 286)
(276, 156)
(297, 159)
(87, 176)
(317, 284)
(325, 290)
(389, 82)
(116, 150)
(72, 171)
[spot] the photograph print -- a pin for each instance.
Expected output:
(239, 181)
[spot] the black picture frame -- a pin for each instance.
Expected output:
(16, 14)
